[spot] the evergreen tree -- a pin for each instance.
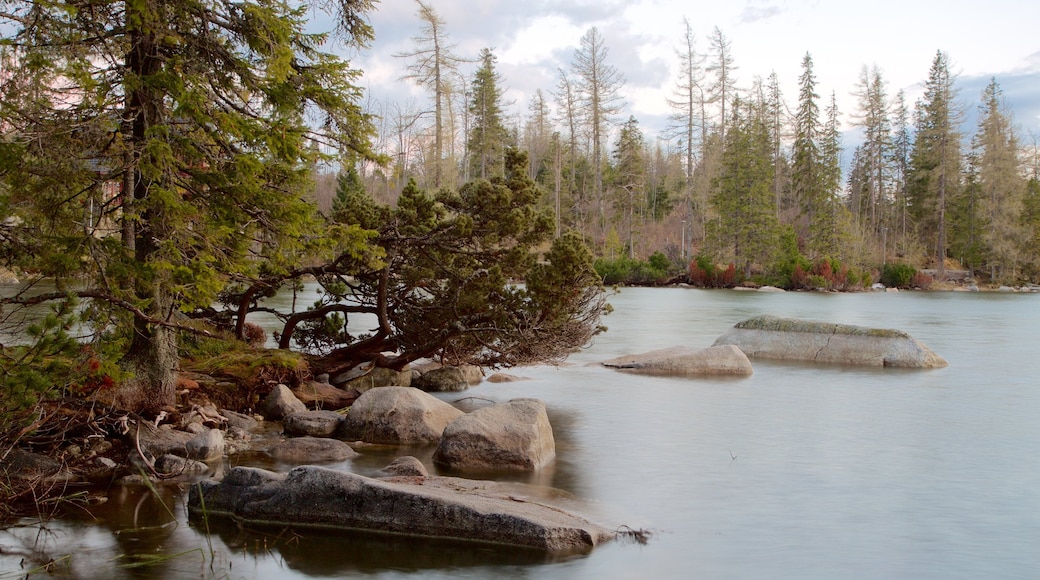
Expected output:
(935, 159)
(198, 113)
(487, 139)
(807, 167)
(744, 199)
(1002, 186)
(629, 179)
(872, 116)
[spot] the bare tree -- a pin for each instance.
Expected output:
(432, 65)
(600, 96)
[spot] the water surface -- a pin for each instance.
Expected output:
(798, 471)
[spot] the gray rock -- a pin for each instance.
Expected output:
(312, 423)
(472, 374)
(770, 337)
(685, 361)
(239, 420)
(179, 466)
(505, 378)
(513, 436)
(324, 396)
(365, 377)
(279, 403)
(28, 466)
(406, 466)
(397, 416)
(208, 446)
(312, 449)
(443, 380)
(773, 289)
(434, 508)
(160, 441)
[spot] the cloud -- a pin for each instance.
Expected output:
(753, 13)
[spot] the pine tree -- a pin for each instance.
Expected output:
(807, 167)
(199, 115)
(487, 139)
(744, 198)
(935, 160)
(1002, 186)
(872, 116)
(628, 174)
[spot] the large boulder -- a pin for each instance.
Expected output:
(397, 416)
(514, 436)
(685, 361)
(436, 508)
(771, 337)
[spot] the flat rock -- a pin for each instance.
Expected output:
(323, 396)
(685, 361)
(514, 436)
(312, 423)
(770, 337)
(312, 449)
(441, 508)
(397, 416)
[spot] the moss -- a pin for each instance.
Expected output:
(777, 324)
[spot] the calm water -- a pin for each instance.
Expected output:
(796, 472)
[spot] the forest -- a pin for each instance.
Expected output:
(743, 174)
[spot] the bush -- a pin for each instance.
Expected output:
(897, 275)
(704, 273)
(922, 281)
(629, 272)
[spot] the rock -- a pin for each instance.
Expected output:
(442, 380)
(208, 446)
(312, 423)
(771, 337)
(878, 286)
(1005, 289)
(771, 289)
(312, 449)
(472, 374)
(973, 288)
(173, 465)
(434, 508)
(158, 441)
(279, 403)
(239, 420)
(7, 276)
(685, 361)
(406, 466)
(316, 395)
(23, 465)
(364, 377)
(323, 378)
(505, 378)
(397, 416)
(195, 428)
(514, 436)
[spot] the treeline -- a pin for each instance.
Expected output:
(742, 175)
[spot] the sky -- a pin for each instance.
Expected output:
(532, 39)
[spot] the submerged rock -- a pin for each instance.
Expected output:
(307, 449)
(685, 361)
(440, 508)
(771, 337)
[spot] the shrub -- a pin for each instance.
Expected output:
(922, 281)
(705, 274)
(897, 275)
(626, 271)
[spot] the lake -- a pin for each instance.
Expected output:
(798, 471)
